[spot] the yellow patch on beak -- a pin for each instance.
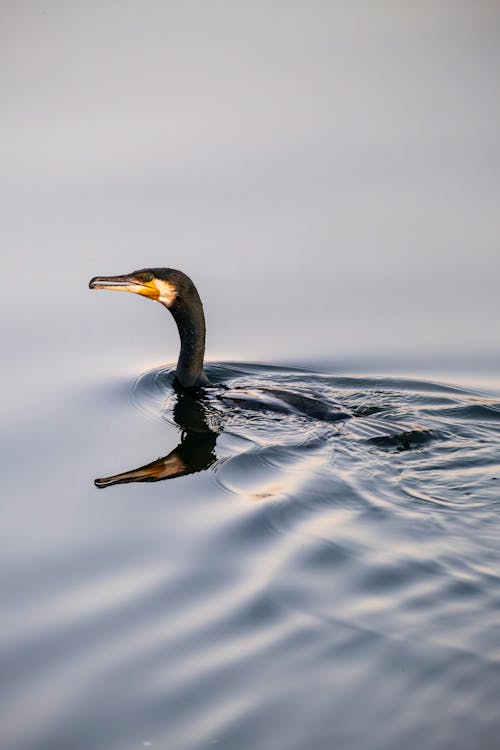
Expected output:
(147, 289)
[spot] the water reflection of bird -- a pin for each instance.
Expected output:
(178, 294)
(195, 452)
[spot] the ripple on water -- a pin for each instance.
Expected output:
(310, 589)
(315, 474)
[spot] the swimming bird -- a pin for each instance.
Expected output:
(195, 452)
(176, 291)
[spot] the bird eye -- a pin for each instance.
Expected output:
(148, 277)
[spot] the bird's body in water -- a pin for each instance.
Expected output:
(175, 291)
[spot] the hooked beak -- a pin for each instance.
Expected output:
(125, 283)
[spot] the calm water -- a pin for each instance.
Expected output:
(303, 588)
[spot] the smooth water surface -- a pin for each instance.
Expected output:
(310, 588)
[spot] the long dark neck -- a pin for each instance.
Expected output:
(188, 314)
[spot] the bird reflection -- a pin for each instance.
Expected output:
(195, 452)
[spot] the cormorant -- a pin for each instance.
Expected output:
(175, 290)
(178, 294)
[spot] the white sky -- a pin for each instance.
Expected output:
(328, 172)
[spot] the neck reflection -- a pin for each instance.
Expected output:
(194, 453)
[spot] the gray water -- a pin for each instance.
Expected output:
(307, 589)
(328, 174)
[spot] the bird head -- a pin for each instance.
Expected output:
(164, 285)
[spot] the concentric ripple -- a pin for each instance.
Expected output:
(454, 456)
(391, 556)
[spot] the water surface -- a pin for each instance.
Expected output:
(309, 588)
